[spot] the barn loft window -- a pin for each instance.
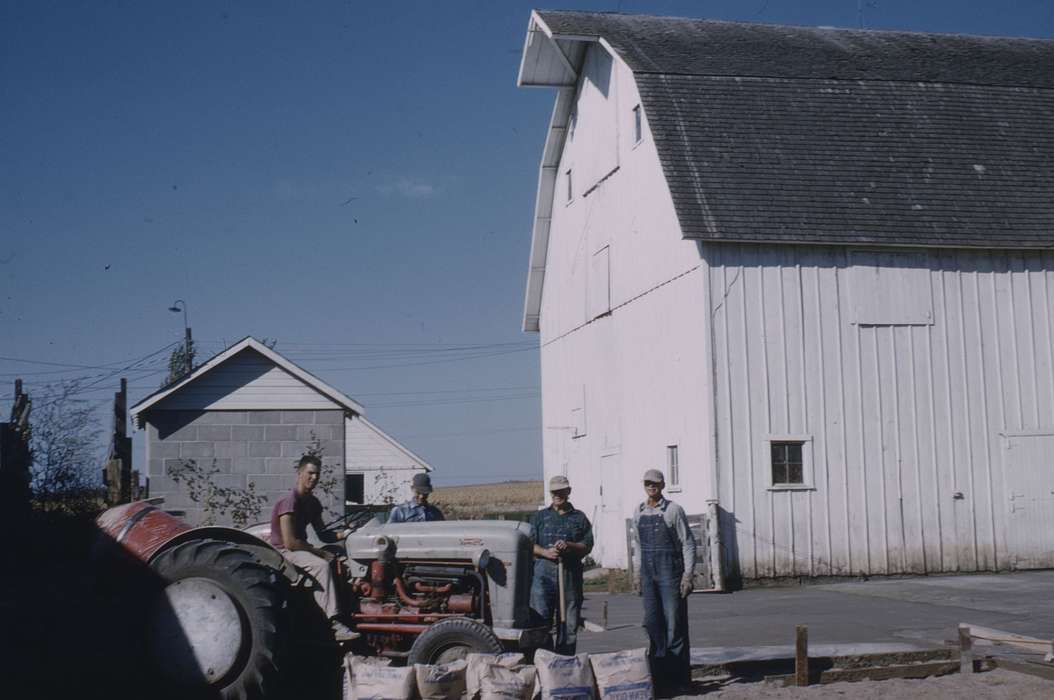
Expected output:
(673, 466)
(570, 191)
(638, 127)
(788, 466)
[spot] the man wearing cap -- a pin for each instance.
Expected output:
(561, 534)
(417, 509)
(662, 566)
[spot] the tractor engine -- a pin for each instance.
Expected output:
(407, 577)
(415, 592)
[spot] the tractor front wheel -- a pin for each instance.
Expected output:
(452, 639)
(216, 628)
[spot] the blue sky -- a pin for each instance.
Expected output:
(353, 179)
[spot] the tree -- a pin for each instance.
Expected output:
(65, 452)
(180, 362)
(244, 505)
(327, 478)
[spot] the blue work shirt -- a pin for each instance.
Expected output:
(548, 526)
(414, 512)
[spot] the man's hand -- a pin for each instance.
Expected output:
(686, 585)
(560, 546)
(551, 554)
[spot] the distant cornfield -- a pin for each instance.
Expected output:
(509, 499)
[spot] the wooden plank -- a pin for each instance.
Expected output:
(965, 650)
(1021, 641)
(879, 673)
(801, 656)
(1032, 669)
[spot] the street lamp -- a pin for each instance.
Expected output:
(187, 342)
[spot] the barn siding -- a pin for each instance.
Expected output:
(900, 417)
(246, 381)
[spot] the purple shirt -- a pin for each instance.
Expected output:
(304, 509)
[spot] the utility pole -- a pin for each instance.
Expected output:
(188, 343)
(118, 472)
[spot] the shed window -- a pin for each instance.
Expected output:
(787, 464)
(354, 488)
(638, 127)
(673, 466)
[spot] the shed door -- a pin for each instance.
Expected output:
(1029, 461)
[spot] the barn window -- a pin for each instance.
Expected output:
(354, 488)
(673, 466)
(788, 464)
(578, 416)
(599, 298)
(638, 126)
(570, 190)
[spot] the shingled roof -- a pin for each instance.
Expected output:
(817, 135)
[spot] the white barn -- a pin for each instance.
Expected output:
(249, 414)
(808, 274)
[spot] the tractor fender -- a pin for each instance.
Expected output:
(146, 531)
(263, 551)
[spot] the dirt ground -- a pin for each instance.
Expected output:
(993, 685)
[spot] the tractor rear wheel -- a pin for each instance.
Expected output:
(217, 628)
(452, 639)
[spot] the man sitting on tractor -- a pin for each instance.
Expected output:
(289, 520)
(417, 509)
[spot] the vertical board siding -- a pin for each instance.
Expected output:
(901, 418)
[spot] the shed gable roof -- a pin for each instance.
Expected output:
(251, 345)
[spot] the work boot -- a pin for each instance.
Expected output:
(341, 632)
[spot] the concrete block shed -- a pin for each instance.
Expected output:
(248, 414)
(808, 272)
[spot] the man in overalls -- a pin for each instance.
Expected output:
(663, 565)
(560, 533)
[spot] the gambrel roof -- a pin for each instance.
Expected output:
(835, 136)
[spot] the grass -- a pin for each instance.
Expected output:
(476, 501)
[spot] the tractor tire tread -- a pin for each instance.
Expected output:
(259, 593)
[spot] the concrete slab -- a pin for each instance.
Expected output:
(919, 612)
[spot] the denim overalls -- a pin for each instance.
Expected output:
(665, 611)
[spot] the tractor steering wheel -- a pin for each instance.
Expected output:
(350, 521)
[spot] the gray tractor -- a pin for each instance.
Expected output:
(234, 615)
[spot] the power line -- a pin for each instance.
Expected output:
(495, 431)
(447, 402)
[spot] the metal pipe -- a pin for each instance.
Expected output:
(422, 587)
(404, 597)
(390, 628)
